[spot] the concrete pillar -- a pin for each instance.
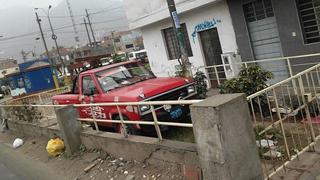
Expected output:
(70, 128)
(225, 138)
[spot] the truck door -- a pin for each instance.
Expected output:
(90, 94)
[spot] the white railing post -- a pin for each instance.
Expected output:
(156, 125)
(245, 64)
(40, 99)
(289, 67)
(306, 104)
(94, 118)
(291, 74)
(123, 126)
(281, 123)
(217, 75)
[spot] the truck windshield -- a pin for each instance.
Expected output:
(122, 76)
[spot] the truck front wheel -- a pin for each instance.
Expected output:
(129, 127)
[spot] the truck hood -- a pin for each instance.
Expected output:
(148, 88)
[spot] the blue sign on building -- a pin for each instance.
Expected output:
(205, 25)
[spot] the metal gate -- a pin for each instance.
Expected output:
(264, 36)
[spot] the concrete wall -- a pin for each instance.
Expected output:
(146, 12)
(225, 138)
(241, 30)
(154, 42)
(146, 149)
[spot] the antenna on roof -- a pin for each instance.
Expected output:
(73, 23)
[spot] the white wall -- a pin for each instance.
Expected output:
(154, 42)
(144, 12)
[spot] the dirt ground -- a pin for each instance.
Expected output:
(106, 166)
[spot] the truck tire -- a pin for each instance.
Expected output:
(129, 128)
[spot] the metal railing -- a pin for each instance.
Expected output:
(124, 122)
(44, 114)
(282, 67)
(286, 117)
(39, 98)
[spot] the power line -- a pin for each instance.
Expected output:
(98, 29)
(58, 28)
(104, 10)
(79, 16)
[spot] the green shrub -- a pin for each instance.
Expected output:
(249, 81)
(201, 84)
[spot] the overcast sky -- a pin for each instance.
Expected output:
(20, 30)
(34, 3)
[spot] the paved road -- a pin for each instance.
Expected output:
(17, 166)
(7, 174)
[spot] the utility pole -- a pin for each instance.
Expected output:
(54, 37)
(47, 52)
(185, 63)
(113, 43)
(43, 39)
(90, 25)
(85, 23)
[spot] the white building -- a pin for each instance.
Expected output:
(207, 23)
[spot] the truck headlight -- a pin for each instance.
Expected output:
(54, 102)
(191, 89)
(144, 108)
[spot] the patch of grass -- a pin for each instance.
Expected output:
(180, 134)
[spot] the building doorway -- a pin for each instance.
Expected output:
(264, 35)
(212, 51)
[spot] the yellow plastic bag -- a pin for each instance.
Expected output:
(55, 147)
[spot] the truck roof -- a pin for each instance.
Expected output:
(93, 71)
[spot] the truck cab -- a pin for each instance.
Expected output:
(126, 82)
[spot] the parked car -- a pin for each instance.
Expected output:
(139, 55)
(128, 81)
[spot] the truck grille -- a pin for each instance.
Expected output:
(174, 95)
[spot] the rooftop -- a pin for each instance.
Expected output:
(93, 71)
(8, 63)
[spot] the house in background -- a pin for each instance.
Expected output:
(123, 41)
(8, 66)
(207, 26)
(246, 29)
(273, 28)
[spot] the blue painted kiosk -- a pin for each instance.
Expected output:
(34, 76)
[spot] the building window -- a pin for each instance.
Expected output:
(88, 85)
(258, 10)
(128, 46)
(309, 12)
(171, 42)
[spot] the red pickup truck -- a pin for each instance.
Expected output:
(127, 82)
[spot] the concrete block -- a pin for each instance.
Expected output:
(225, 138)
(70, 128)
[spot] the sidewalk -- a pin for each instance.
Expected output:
(306, 168)
(17, 166)
(72, 168)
